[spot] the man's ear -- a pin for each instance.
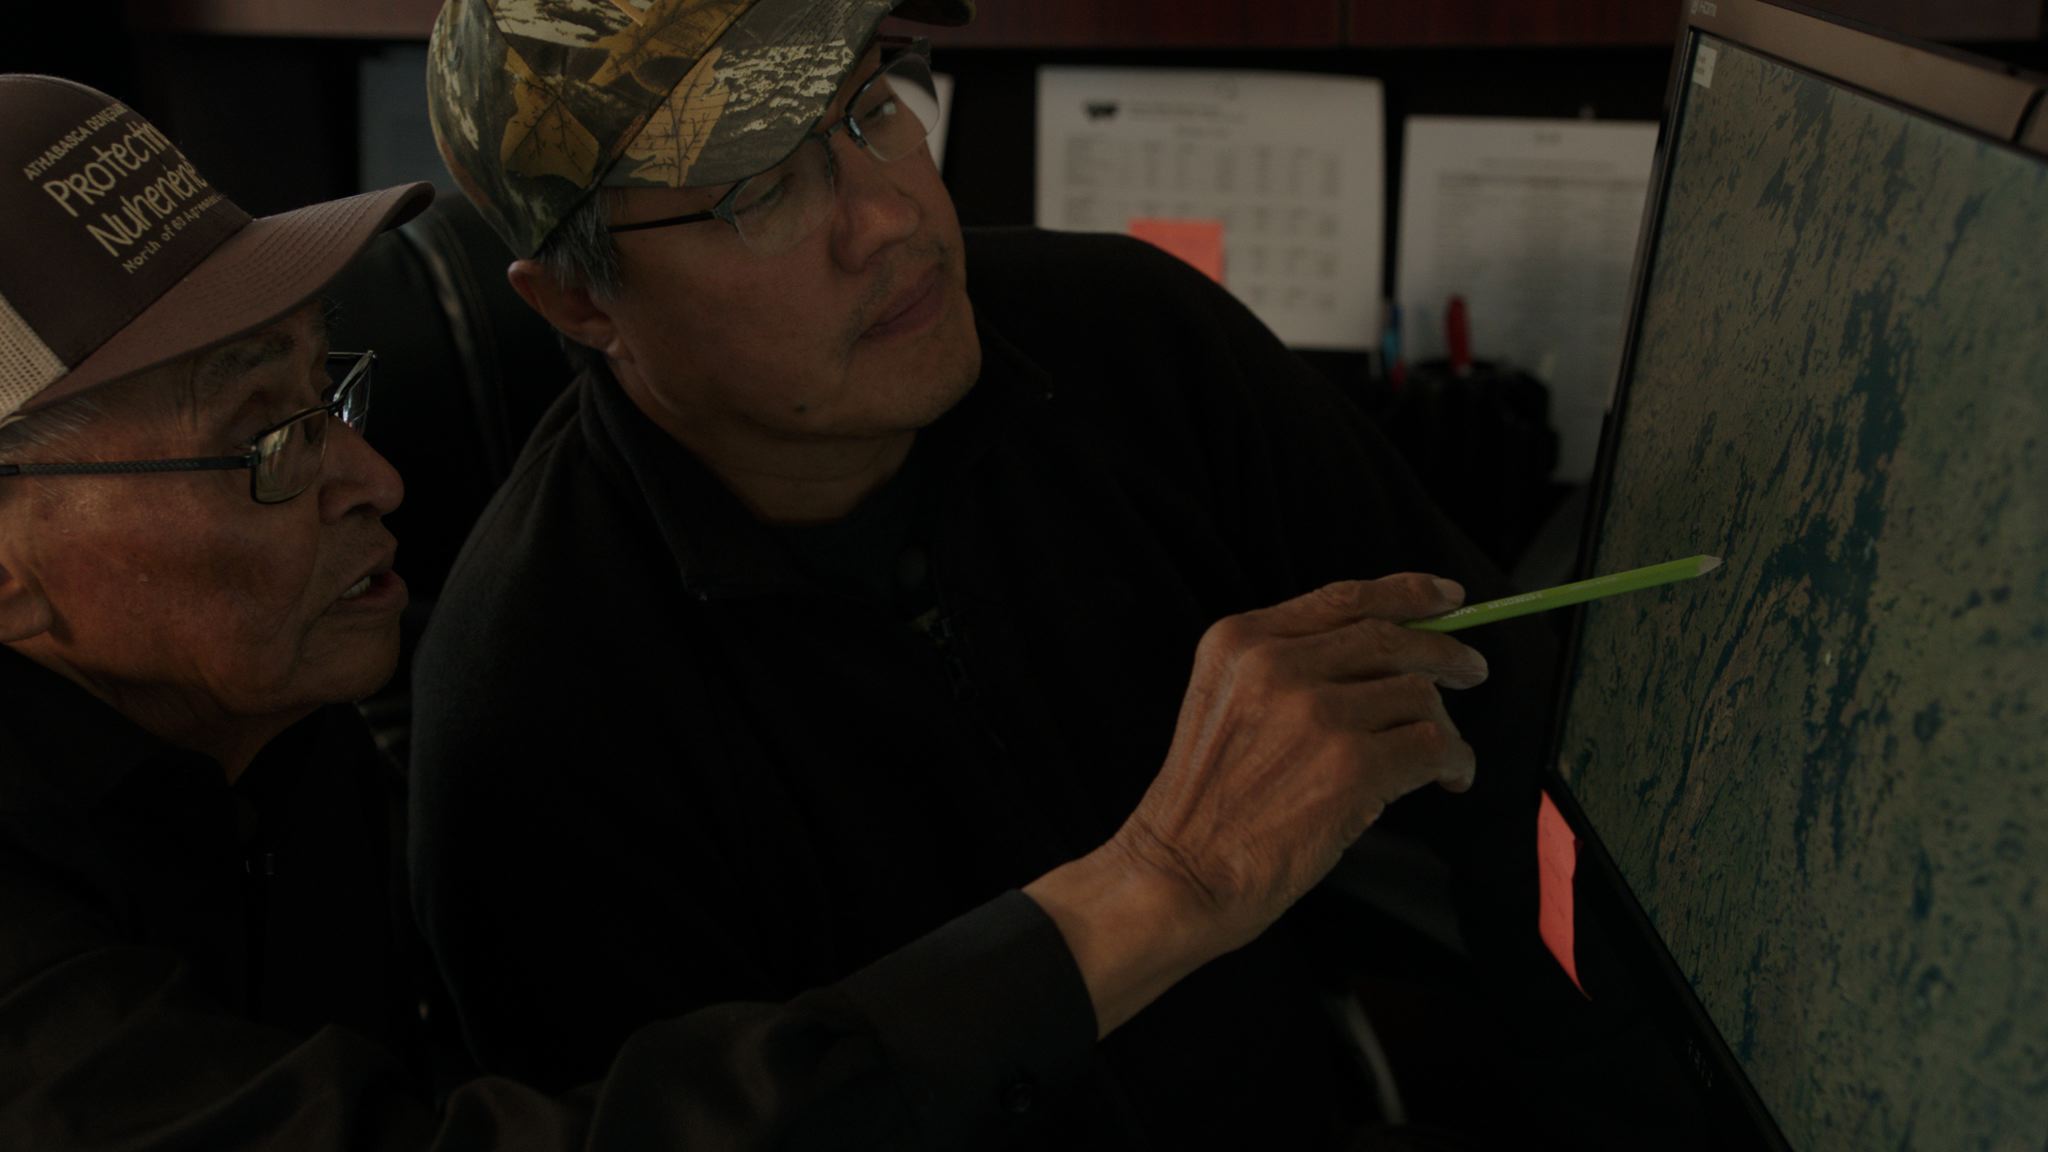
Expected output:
(24, 611)
(573, 311)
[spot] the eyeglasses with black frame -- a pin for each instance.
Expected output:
(890, 115)
(283, 460)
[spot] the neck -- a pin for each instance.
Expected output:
(231, 741)
(781, 480)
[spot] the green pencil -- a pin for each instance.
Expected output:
(1614, 583)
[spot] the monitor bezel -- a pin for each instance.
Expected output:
(1988, 100)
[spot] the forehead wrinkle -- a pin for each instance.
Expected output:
(225, 365)
(219, 368)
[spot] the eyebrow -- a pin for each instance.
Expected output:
(249, 354)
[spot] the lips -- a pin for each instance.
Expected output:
(908, 308)
(371, 575)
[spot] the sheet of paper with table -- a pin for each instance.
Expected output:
(1534, 223)
(1292, 165)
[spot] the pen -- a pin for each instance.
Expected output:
(1614, 583)
(1390, 347)
(1458, 337)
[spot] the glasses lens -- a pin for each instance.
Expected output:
(783, 205)
(893, 114)
(349, 393)
(288, 458)
(898, 109)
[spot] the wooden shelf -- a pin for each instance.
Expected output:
(1503, 23)
(1147, 24)
(1000, 23)
(1183, 24)
(1511, 23)
(1952, 20)
(312, 19)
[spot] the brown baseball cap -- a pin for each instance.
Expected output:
(116, 255)
(535, 103)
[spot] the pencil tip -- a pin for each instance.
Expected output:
(1709, 563)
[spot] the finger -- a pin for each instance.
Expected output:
(1370, 707)
(1366, 649)
(1425, 752)
(1404, 596)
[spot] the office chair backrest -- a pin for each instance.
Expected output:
(464, 370)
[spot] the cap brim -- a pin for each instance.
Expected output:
(259, 275)
(950, 12)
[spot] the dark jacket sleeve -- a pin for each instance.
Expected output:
(106, 1045)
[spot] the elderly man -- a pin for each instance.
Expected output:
(202, 944)
(862, 575)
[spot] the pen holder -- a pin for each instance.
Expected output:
(1482, 445)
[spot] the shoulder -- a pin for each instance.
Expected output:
(1131, 335)
(529, 587)
(1083, 274)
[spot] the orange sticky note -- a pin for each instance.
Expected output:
(1199, 242)
(1557, 861)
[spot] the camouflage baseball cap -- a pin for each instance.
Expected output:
(535, 103)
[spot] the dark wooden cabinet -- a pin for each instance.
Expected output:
(1486, 23)
(1000, 23)
(1951, 20)
(1149, 24)
(1509, 23)
(1194, 24)
(357, 19)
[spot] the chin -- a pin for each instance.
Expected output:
(356, 666)
(953, 368)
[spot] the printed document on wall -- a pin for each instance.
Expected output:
(1534, 222)
(1291, 164)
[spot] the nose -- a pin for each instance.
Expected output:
(872, 209)
(356, 477)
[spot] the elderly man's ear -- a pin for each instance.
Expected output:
(573, 311)
(24, 612)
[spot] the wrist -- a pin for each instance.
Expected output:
(1133, 931)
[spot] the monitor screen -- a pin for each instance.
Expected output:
(1822, 771)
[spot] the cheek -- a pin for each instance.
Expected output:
(177, 590)
(753, 345)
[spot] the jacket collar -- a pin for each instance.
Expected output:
(68, 740)
(60, 743)
(719, 549)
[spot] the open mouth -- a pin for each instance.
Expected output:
(379, 590)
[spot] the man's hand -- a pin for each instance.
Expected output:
(1301, 723)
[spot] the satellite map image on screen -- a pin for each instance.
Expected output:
(1823, 770)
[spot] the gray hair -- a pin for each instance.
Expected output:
(580, 253)
(48, 429)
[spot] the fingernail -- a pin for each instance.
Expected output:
(1451, 589)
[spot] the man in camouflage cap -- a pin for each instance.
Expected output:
(537, 102)
(832, 603)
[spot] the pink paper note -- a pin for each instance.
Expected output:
(1557, 861)
(1199, 242)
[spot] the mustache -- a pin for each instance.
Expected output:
(915, 259)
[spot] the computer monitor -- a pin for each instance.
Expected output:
(1819, 775)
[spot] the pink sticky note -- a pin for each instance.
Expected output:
(1199, 242)
(1557, 861)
